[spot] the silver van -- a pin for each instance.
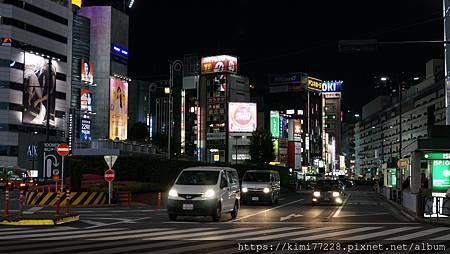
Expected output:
(260, 186)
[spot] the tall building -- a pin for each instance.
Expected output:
(109, 55)
(35, 64)
(226, 119)
(377, 135)
(295, 103)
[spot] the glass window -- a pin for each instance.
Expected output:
(192, 177)
(257, 177)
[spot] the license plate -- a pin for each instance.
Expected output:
(188, 206)
(255, 198)
(327, 199)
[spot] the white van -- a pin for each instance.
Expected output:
(261, 186)
(204, 191)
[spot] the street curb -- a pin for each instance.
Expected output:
(41, 222)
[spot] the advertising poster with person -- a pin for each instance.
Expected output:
(39, 90)
(85, 100)
(118, 109)
(87, 72)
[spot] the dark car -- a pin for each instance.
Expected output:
(328, 191)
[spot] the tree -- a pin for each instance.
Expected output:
(261, 146)
(160, 140)
(139, 132)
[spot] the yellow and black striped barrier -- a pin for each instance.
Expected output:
(40, 222)
(40, 198)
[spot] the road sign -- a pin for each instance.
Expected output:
(109, 175)
(402, 163)
(62, 149)
(49, 159)
(110, 160)
(55, 172)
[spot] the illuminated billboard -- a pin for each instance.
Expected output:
(87, 72)
(241, 117)
(85, 133)
(85, 101)
(314, 84)
(440, 175)
(39, 90)
(332, 86)
(214, 64)
(275, 124)
(77, 3)
(118, 109)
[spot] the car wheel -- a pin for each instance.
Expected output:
(218, 213)
(173, 217)
(234, 213)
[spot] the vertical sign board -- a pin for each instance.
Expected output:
(275, 124)
(50, 161)
(440, 175)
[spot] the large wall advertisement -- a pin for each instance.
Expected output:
(39, 90)
(87, 72)
(85, 101)
(242, 117)
(85, 133)
(118, 109)
(214, 64)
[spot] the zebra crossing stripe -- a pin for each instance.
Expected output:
(18, 231)
(170, 244)
(444, 237)
(296, 233)
(148, 230)
(380, 233)
(173, 237)
(420, 234)
(238, 236)
(70, 232)
(339, 233)
(191, 230)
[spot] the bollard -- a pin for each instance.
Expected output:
(67, 202)
(57, 204)
(158, 201)
(6, 209)
(21, 205)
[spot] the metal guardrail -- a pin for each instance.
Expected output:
(438, 206)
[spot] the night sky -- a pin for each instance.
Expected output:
(287, 36)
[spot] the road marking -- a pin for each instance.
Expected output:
(264, 211)
(419, 234)
(71, 232)
(119, 222)
(377, 234)
(292, 215)
(28, 230)
(33, 210)
(91, 222)
(444, 237)
(336, 214)
(325, 222)
(240, 235)
(125, 232)
(295, 233)
(171, 232)
(362, 214)
(339, 233)
(183, 236)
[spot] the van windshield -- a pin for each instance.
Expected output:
(198, 178)
(257, 177)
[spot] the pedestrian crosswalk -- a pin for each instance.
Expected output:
(214, 238)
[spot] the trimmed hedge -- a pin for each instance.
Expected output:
(154, 174)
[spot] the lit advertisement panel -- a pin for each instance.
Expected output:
(87, 72)
(118, 109)
(440, 175)
(332, 86)
(85, 101)
(242, 117)
(214, 64)
(39, 86)
(275, 124)
(77, 3)
(85, 133)
(314, 84)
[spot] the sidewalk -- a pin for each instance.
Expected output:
(445, 221)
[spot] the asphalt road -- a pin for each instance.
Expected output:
(363, 218)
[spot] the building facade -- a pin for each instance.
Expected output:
(35, 57)
(377, 135)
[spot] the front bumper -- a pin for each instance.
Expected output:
(256, 196)
(200, 207)
(327, 198)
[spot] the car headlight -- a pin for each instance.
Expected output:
(209, 194)
(173, 193)
(316, 194)
(244, 189)
(266, 190)
(335, 194)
